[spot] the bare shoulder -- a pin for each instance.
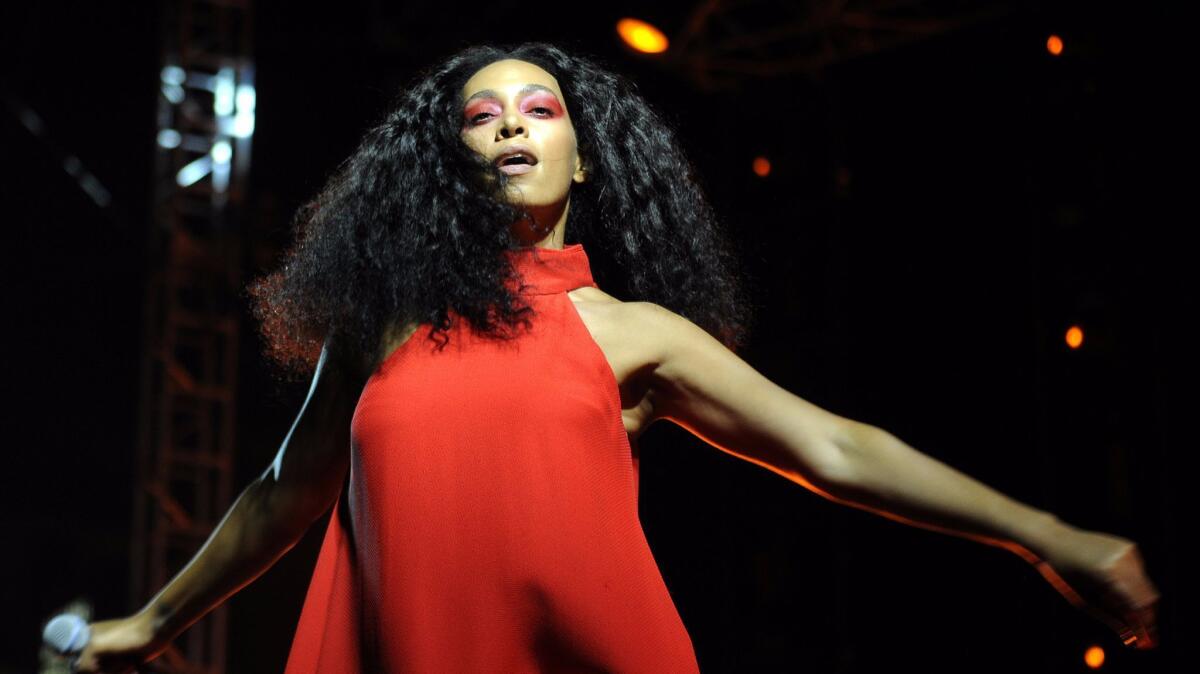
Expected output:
(663, 353)
(661, 332)
(610, 320)
(590, 294)
(649, 331)
(605, 316)
(674, 350)
(652, 351)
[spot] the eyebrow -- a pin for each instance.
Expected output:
(488, 93)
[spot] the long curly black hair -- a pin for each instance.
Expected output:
(411, 227)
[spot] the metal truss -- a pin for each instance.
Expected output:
(725, 42)
(190, 339)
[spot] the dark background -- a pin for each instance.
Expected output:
(938, 214)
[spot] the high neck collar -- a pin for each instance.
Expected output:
(552, 270)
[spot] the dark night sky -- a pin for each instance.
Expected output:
(992, 195)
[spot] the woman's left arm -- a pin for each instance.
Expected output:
(701, 385)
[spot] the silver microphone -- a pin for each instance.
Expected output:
(67, 634)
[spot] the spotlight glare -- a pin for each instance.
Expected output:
(243, 126)
(1093, 657)
(1054, 45)
(223, 92)
(169, 138)
(246, 98)
(221, 152)
(194, 171)
(642, 36)
(762, 167)
(173, 93)
(1074, 336)
(173, 75)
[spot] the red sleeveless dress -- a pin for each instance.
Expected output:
(491, 519)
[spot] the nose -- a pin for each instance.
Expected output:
(511, 126)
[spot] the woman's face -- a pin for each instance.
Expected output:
(514, 103)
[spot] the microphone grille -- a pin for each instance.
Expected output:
(66, 633)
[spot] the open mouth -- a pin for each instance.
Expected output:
(516, 164)
(517, 159)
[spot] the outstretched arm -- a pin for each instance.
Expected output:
(1099, 573)
(264, 522)
(706, 388)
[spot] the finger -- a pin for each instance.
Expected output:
(1138, 635)
(1135, 625)
(1129, 638)
(1144, 613)
(1143, 642)
(84, 664)
(1147, 623)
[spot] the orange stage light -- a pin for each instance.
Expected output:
(1054, 45)
(642, 36)
(1074, 336)
(1094, 657)
(762, 167)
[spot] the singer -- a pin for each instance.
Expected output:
(476, 398)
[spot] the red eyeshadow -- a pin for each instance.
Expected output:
(544, 100)
(482, 106)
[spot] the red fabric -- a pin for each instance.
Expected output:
(491, 519)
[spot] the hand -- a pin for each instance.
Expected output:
(1104, 576)
(119, 646)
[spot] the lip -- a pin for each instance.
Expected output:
(516, 148)
(516, 169)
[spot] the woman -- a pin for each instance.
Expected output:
(476, 398)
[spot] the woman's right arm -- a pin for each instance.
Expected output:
(269, 516)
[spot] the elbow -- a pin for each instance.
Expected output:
(848, 444)
(291, 509)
